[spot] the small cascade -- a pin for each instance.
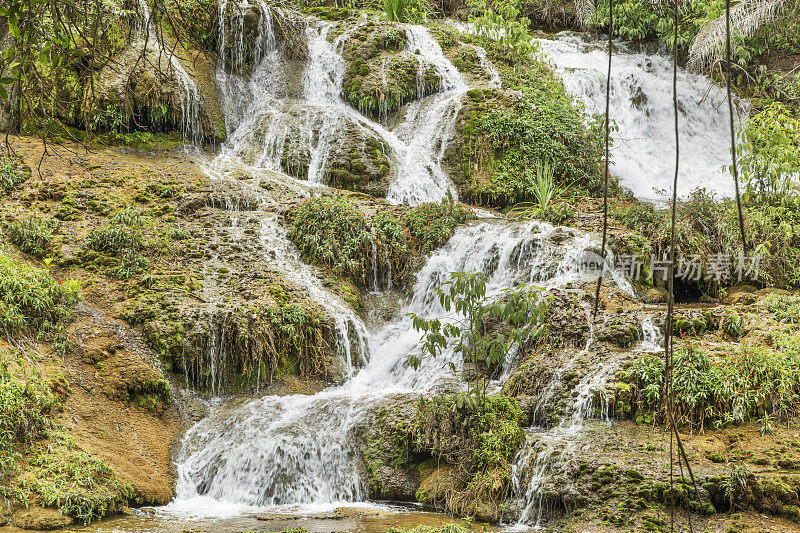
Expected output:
(189, 93)
(641, 104)
(281, 125)
(650, 336)
(548, 451)
(299, 449)
(427, 127)
(494, 76)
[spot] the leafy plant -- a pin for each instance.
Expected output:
(502, 21)
(75, 482)
(413, 11)
(31, 300)
(432, 224)
(753, 383)
(33, 235)
(12, 173)
(543, 186)
(124, 231)
(769, 153)
(471, 329)
(332, 231)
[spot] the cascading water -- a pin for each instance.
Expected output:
(549, 449)
(293, 127)
(427, 127)
(641, 105)
(188, 92)
(299, 449)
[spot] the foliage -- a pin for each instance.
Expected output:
(769, 153)
(12, 173)
(754, 382)
(503, 22)
(49, 69)
(123, 236)
(708, 227)
(195, 20)
(75, 482)
(33, 235)
(333, 231)
(785, 308)
(503, 139)
(477, 442)
(543, 187)
(31, 300)
(480, 331)
(413, 11)
(26, 410)
(451, 527)
(432, 224)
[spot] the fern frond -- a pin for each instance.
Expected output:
(747, 18)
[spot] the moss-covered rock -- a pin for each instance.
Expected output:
(381, 74)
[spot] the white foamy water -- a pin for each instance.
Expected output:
(641, 105)
(300, 449)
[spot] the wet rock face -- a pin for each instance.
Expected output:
(142, 87)
(40, 519)
(381, 75)
(245, 28)
(386, 479)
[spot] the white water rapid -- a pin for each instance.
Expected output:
(641, 106)
(290, 450)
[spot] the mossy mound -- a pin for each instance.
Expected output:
(443, 452)
(382, 75)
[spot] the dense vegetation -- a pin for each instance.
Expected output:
(334, 232)
(34, 447)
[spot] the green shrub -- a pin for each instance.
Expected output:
(12, 173)
(123, 236)
(432, 224)
(26, 409)
(707, 226)
(31, 300)
(333, 231)
(785, 308)
(746, 385)
(124, 231)
(33, 235)
(75, 482)
(769, 153)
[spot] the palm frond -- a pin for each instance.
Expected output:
(583, 10)
(747, 18)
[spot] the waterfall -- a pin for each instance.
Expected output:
(288, 127)
(650, 336)
(641, 105)
(549, 449)
(428, 126)
(299, 449)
